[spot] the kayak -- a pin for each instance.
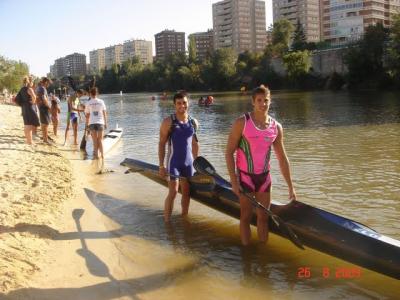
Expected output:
(112, 138)
(316, 228)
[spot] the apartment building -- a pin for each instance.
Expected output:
(140, 48)
(344, 21)
(239, 24)
(97, 60)
(169, 42)
(307, 12)
(70, 65)
(204, 43)
(113, 55)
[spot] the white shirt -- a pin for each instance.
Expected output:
(95, 108)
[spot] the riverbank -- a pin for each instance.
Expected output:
(34, 183)
(55, 244)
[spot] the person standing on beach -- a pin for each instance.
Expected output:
(73, 114)
(28, 108)
(252, 137)
(179, 131)
(96, 121)
(44, 107)
(55, 111)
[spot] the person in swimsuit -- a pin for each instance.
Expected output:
(179, 131)
(55, 111)
(73, 114)
(252, 137)
(44, 108)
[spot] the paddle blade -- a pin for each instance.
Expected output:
(288, 232)
(202, 183)
(202, 165)
(83, 141)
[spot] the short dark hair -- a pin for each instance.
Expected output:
(262, 89)
(94, 91)
(45, 79)
(179, 95)
(80, 91)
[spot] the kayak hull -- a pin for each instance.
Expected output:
(316, 228)
(112, 138)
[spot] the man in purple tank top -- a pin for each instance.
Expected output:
(252, 137)
(179, 131)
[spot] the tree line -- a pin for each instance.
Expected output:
(11, 74)
(372, 62)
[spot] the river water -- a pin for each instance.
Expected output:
(344, 150)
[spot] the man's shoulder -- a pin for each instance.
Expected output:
(40, 89)
(241, 119)
(167, 119)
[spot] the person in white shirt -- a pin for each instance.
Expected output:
(96, 120)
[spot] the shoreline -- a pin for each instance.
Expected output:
(35, 184)
(47, 222)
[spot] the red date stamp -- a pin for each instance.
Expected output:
(326, 272)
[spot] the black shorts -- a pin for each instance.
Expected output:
(96, 127)
(44, 114)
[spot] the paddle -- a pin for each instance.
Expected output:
(203, 166)
(83, 141)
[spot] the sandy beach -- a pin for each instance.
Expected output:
(43, 254)
(35, 184)
(55, 244)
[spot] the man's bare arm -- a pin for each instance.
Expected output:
(164, 134)
(232, 144)
(284, 164)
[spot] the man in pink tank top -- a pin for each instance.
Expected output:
(252, 137)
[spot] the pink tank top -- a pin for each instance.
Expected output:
(254, 152)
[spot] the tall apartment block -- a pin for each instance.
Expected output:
(139, 48)
(70, 65)
(204, 43)
(113, 55)
(239, 24)
(307, 12)
(344, 21)
(168, 42)
(97, 60)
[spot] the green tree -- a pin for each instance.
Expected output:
(281, 36)
(297, 64)
(11, 74)
(192, 50)
(299, 38)
(365, 59)
(247, 66)
(223, 68)
(393, 51)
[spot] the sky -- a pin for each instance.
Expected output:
(39, 32)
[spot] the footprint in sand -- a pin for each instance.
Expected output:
(4, 195)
